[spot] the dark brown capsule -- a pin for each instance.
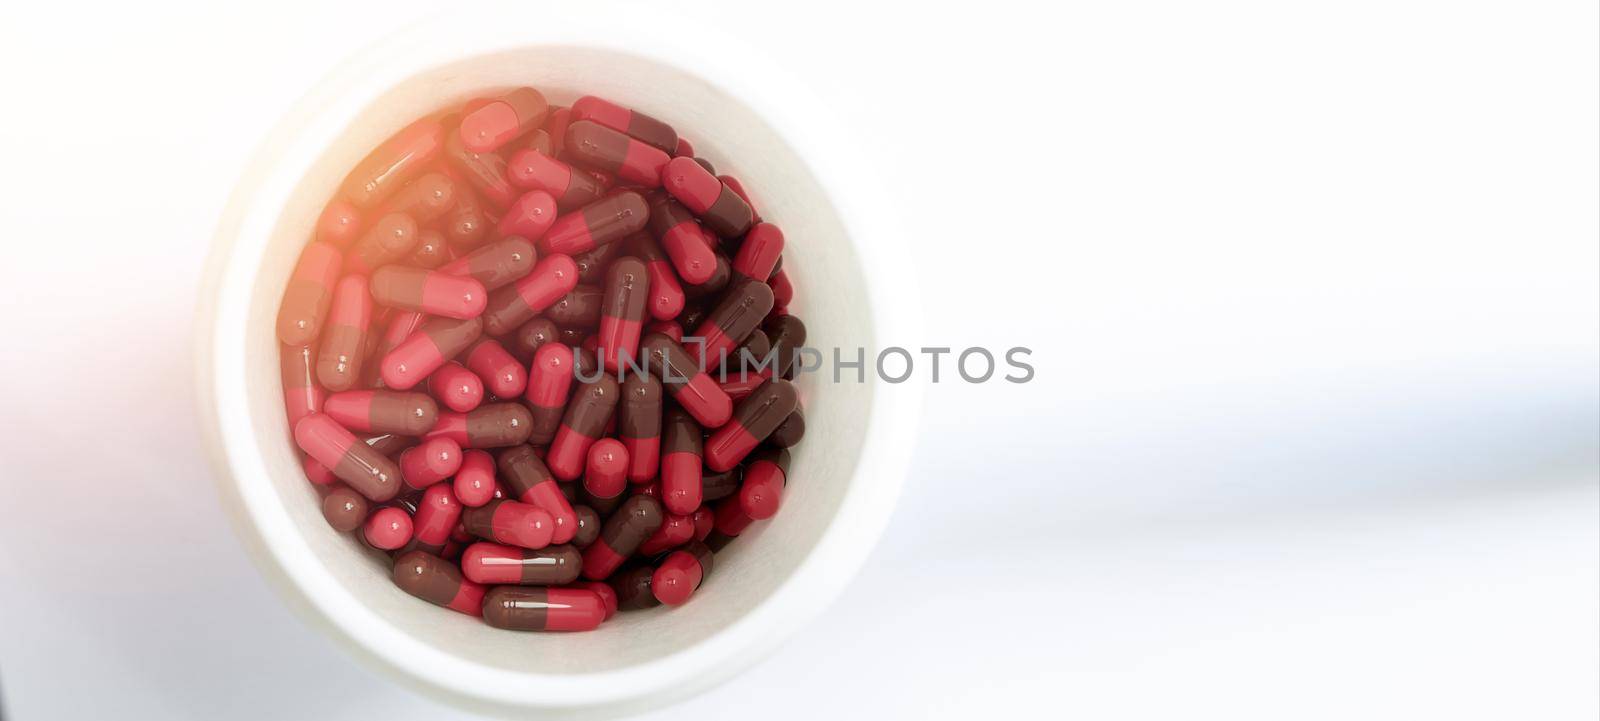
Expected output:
(633, 589)
(788, 335)
(344, 509)
(790, 431)
(387, 241)
(578, 309)
(529, 336)
(496, 264)
(588, 523)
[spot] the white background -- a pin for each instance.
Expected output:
(1312, 290)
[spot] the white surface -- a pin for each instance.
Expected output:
(1312, 292)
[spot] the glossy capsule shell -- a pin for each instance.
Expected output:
(588, 526)
(429, 462)
(431, 250)
(437, 581)
(427, 291)
(301, 394)
(577, 309)
(632, 588)
(639, 425)
(383, 411)
(717, 486)
(528, 479)
(605, 474)
(530, 337)
(687, 245)
(437, 514)
(474, 483)
(344, 509)
(603, 221)
(496, 264)
(502, 374)
(595, 146)
(466, 224)
(496, 564)
(549, 383)
(682, 490)
(737, 187)
(310, 293)
(753, 420)
(531, 216)
(722, 210)
(572, 188)
(681, 573)
(398, 327)
(635, 124)
(721, 274)
(503, 119)
(787, 334)
(666, 293)
(622, 313)
(759, 253)
(739, 312)
(592, 263)
(629, 526)
(457, 388)
(343, 344)
(485, 172)
(340, 223)
(764, 477)
(492, 425)
(426, 350)
(398, 161)
(425, 199)
(511, 523)
(680, 374)
(389, 240)
(583, 422)
(515, 304)
(387, 528)
(535, 608)
(675, 530)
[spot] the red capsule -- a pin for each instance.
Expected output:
(593, 262)
(344, 509)
(515, 304)
(339, 224)
(485, 172)
(607, 594)
(428, 291)
(400, 326)
(753, 420)
(387, 241)
(622, 314)
(666, 298)
(606, 473)
(717, 486)
(531, 216)
(758, 254)
(301, 394)
(310, 292)
(394, 163)
(681, 573)
(681, 482)
(739, 312)
(730, 522)
(494, 564)
(528, 479)
(687, 244)
(438, 514)
(426, 350)
(474, 482)
(695, 391)
(782, 291)
(406, 414)
(603, 221)
(634, 521)
(704, 522)
(496, 264)
(437, 581)
(425, 199)
(493, 425)
(556, 126)
(632, 122)
(572, 188)
(457, 388)
(340, 353)
(315, 472)
(684, 148)
(499, 121)
(534, 608)
(632, 587)
(739, 386)
(764, 478)
(511, 523)
(720, 275)
(501, 373)
(387, 528)
(549, 383)
(434, 460)
(639, 425)
(675, 530)
(596, 146)
(723, 211)
(584, 421)
(737, 187)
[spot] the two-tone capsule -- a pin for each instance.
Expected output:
(689, 246)
(593, 145)
(633, 522)
(682, 376)
(426, 350)
(492, 425)
(530, 216)
(549, 383)
(357, 464)
(496, 564)
(428, 291)
(496, 264)
(344, 509)
(474, 483)
(515, 304)
(310, 293)
(605, 474)
(528, 480)
(501, 120)
(341, 351)
(510, 523)
(639, 425)
(739, 312)
(382, 411)
(758, 255)
(675, 530)
(723, 211)
(437, 581)
(764, 478)
(388, 528)
(485, 172)
(457, 388)
(398, 161)
(682, 490)
(425, 199)
(666, 297)
(603, 221)
(537, 608)
(753, 420)
(577, 309)
(502, 374)
(582, 424)
(572, 188)
(622, 313)
(437, 514)
(433, 460)
(301, 394)
(680, 573)
(632, 122)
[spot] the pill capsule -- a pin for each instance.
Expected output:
(721, 273)
(485, 172)
(428, 291)
(634, 521)
(530, 337)
(622, 313)
(429, 462)
(790, 431)
(344, 509)
(753, 420)
(604, 221)
(340, 352)
(753, 356)
(425, 199)
(339, 225)
(730, 521)
(530, 216)
(739, 312)
(494, 564)
(688, 245)
(426, 350)
(318, 474)
(396, 162)
(474, 482)
(301, 394)
(635, 124)
(437, 515)
(704, 522)
(717, 486)
(535, 608)
(457, 388)
(509, 522)
(788, 335)
(310, 293)
(695, 391)
(681, 482)
(496, 264)
(595, 146)
(681, 573)
(399, 326)
(607, 594)
(759, 253)
(466, 224)
(737, 187)
(675, 530)
(549, 383)
(528, 480)
(556, 126)
(693, 313)
(431, 250)
(515, 304)
(684, 148)
(588, 526)
(578, 309)
(606, 473)
(632, 586)
(437, 581)
(666, 297)
(387, 528)
(724, 212)
(639, 425)
(537, 141)
(782, 292)
(492, 425)
(592, 263)
(387, 444)
(387, 241)
(572, 188)
(503, 119)
(739, 386)
(583, 422)
(764, 477)
(668, 328)
(502, 374)
(406, 414)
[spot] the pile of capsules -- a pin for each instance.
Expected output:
(480, 344)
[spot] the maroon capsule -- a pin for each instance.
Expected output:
(510, 523)
(737, 187)
(515, 304)
(592, 263)
(495, 564)
(695, 391)
(428, 291)
(753, 420)
(359, 465)
(485, 172)
(426, 350)
(717, 486)
(537, 170)
(530, 337)
(632, 587)
(535, 608)
(499, 121)
(492, 425)
(639, 425)
(438, 513)
(622, 313)
(723, 211)
(502, 374)
(681, 482)
(689, 246)
(578, 309)
(394, 163)
(634, 521)
(632, 122)
(344, 509)
(527, 479)
(584, 421)
(721, 274)
(429, 462)
(380, 411)
(467, 223)
(431, 250)
(588, 526)
(340, 353)
(310, 293)
(387, 241)
(680, 573)
(425, 199)
(549, 384)
(606, 473)
(595, 146)
(788, 335)
(437, 581)
(790, 431)
(603, 221)
(496, 264)
(736, 315)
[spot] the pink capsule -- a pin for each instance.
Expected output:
(341, 350)
(499, 121)
(316, 472)
(679, 574)
(666, 297)
(501, 373)
(527, 479)
(622, 313)
(572, 188)
(475, 483)
(632, 122)
(582, 424)
(424, 199)
(301, 394)
(511, 306)
(438, 514)
(401, 413)
(457, 388)
(608, 595)
(530, 216)
(606, 474)
(598, 147)
(493, 425)
(511, 523)
(496, 264)
(681, 464)
(604, 221)
(494, 564)
(400, 326)
(723, 211)
(340, 223)
(428, 291)
(394, 163)
(434, 460)
(549, 383)
(427, 350)
(387, 528)
(305, 303)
